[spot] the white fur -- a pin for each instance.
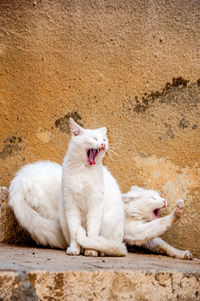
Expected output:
(142, 228)
(92, 201)
(91, 197)
(33, 196)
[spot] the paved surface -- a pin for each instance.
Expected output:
(14, 258)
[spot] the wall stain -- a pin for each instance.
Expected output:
(63, 122)
(183, 123)
(11, 145)
(169, 132)
(194, 127)
(177, 82)
(58, 285)
(22, 288)
(169, 94)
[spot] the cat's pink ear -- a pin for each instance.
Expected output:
(75, 128)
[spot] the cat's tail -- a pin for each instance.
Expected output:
(101, 244)
(43, 230)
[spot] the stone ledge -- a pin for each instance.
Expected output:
(45, 274)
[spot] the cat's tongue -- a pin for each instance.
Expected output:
(92, 156)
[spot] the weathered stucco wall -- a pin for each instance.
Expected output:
(133, 66)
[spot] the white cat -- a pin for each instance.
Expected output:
(90, 202)
(143, 224)
(91, 199)
(33, 196)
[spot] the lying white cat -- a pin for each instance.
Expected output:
(143, 224)
(89, 202)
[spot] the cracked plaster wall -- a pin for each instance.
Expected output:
(133, 66)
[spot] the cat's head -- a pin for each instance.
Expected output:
(144, 203)
(90, 144)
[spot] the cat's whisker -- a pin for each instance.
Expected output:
(113, 147)
(113, 152)
(110, 155)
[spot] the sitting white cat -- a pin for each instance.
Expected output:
(89, 202)
(143, 224)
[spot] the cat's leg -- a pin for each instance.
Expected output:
(91, 253)
(140, 233)
(94, 218)
(112, 228)
(63, 224)
(70, 218)
(73, 222)
(158, 245)
(93, 228)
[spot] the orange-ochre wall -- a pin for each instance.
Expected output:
(132, 66)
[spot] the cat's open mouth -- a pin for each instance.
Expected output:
(156, 213)
(157, 210)
(92, 153)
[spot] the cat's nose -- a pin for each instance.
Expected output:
(165, 203)
(103, 146)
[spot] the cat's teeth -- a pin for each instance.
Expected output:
(92, 153)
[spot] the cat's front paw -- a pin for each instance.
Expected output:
(91, 253)
(188, 255)
(73, 251)
(179, 207)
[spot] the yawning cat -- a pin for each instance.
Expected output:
(143, 224)
(90, 203)
(90, 198)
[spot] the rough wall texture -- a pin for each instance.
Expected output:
(99, 285)
(133, 66)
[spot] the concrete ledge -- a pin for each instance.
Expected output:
(45, 274)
